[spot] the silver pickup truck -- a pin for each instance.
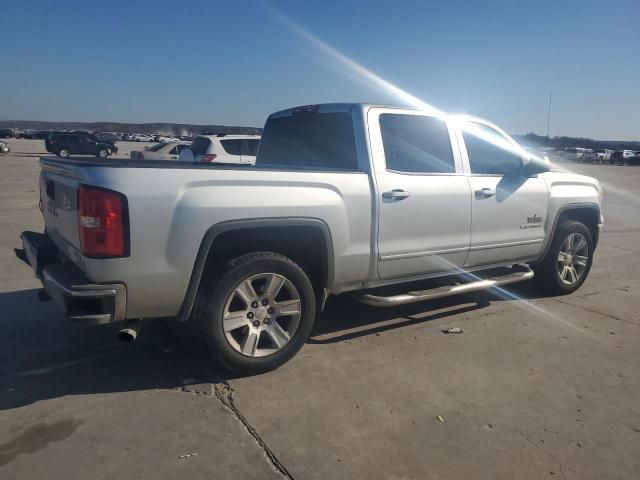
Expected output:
(342, 198)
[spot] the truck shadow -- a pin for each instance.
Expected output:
(344, 318)
(43, 356)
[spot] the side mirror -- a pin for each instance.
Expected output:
(533, 167)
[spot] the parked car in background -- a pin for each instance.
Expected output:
(222, 149)
(108, 136)
(569, 154)
(65, 144)
(31, 134)
(633, 159)
(617, 158)
(586, 155)
(42, 134)
(4, 148)
(141, 137)
(161, 151)
(163, 139)
(7, 133)
(603, 155)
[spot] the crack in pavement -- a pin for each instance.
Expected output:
(223, 392)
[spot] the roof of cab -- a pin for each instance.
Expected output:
(347, 107)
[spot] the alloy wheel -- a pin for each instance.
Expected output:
(261, 314)
(572, 259)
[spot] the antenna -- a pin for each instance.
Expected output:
(549, 116)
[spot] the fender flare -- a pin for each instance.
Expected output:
(566, 208)
(216, 230)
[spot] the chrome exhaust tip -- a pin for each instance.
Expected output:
(130, 331)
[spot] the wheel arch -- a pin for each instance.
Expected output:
(587, 213)
(223, 241)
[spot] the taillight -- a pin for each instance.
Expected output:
(209, 157)
(103, 222)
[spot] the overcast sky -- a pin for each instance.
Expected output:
(235, 62)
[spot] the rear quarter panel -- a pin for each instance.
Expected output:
(171, 209)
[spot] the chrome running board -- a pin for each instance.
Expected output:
(445, 291)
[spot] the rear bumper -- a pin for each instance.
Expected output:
(82, 301)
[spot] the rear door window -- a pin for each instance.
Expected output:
(416, 144)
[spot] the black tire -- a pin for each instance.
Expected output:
(547, 274)
(103, 153)
(64, 152)
(216, 295)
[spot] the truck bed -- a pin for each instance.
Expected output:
(172, 205)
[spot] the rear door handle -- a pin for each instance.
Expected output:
(396, 194)
(485, 193)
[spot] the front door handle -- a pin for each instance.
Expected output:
(396, 194)
(485, 193)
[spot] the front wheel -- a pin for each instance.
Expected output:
(259, 313)
(64, 152)
(103, 153)
(568, 261)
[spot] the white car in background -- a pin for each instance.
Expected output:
(141, 137)
(603, 155)
(161, 151)
(222, 149)
(163, 139)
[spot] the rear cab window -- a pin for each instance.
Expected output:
(309, 140)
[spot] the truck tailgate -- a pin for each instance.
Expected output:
(59, 204)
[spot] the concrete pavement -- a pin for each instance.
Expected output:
(534, 388)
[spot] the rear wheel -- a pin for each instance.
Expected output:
(568, 261)
(64, 152)
(103, 153)
(259, 313)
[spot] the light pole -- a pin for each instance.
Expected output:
(549, 116)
